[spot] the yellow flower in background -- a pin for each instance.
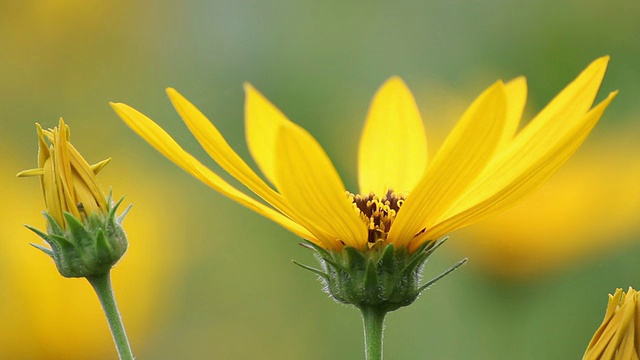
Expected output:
(483, 167)
(589, 207)
(618, 337)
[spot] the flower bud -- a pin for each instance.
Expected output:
(618, 337)
(85, 235)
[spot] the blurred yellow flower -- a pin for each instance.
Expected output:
(593, 202)
(482, 168)
(618, 337)
(45, 316)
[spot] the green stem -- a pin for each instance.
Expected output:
(373, 322)
(102, 286)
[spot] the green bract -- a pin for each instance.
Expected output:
(383, 277)
(88, 246)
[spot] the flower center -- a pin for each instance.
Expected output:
(377, 212)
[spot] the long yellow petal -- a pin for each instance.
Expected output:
(62, 169)
(393, 146)
(516, 91)
(307, 179)
(463, 156)
(162, 142)
(52, 198)
(561, 114)
(262, 121)
(511, 177)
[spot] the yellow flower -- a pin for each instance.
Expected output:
(618, 337)
(483, 167)
(69, 184)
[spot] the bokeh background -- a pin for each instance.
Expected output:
(208, 279)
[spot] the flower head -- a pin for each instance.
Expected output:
(405, 199)
(85, 236)
(68, 183)
(618, 337)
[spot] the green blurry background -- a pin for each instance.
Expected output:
(208, 279)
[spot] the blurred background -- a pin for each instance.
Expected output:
(208, 279)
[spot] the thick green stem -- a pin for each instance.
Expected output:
(102, 286)
(373, 322)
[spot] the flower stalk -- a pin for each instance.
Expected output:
(102, 286)
(373, 323)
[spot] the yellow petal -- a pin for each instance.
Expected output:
(160, 140)
(262, 121)
(462, 157)
(87, 175)
(52, 198)
(217, 147)
(85, 198)
(516, 91)
(62, 169)
(43, 148)
(97, 167)
(307, 179)
(30, 172)
(561, 114)
(393, 146)
(515, 174)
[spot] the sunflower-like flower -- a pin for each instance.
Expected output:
(85, 236)
(405, 200)
(618, 337)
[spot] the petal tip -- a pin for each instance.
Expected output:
(117, 106)
(601, 62)
(394, 81)
(248, 88)
(520, 80)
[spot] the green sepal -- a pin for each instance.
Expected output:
(320, 273)
(435, 279)
(86, 247)
(103, 252)
(43, 249)
(382, 276)
(370, 281)
(77, 230)
(41, 234)
(125, 212)
(52, 225)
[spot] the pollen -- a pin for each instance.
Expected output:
(378, 213)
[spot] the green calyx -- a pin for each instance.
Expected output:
(86, 247)
(384, 277)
